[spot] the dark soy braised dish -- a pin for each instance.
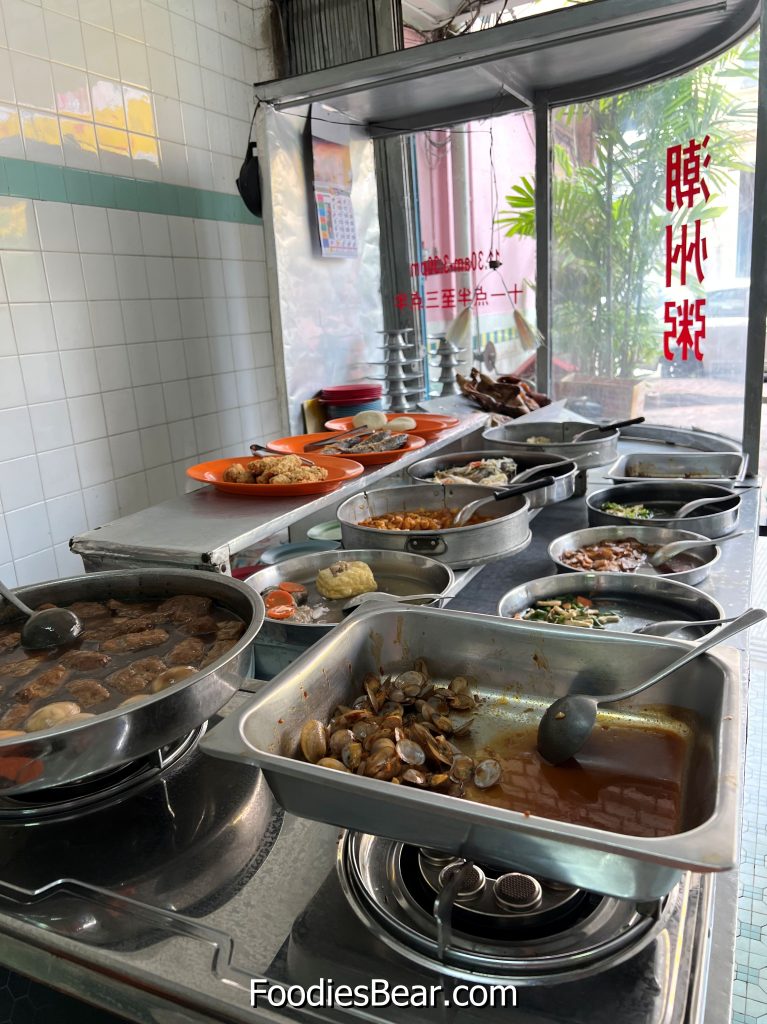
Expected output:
(127, 652)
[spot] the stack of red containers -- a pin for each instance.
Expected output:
(349, 399)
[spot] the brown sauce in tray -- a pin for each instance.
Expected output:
(641, 797)
(128, 650)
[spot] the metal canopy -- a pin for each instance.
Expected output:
(571, 54)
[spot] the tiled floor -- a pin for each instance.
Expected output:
(750, 995)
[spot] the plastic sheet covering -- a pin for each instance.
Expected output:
(325, 312)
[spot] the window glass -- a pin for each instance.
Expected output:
(644, 304)
(651, 220)
(473, 275)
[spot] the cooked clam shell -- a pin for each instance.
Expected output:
(487, 773)
(313, 741)
(411, 752)
(331, 762)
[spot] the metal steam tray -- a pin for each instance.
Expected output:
(712, 467)
(514, 667)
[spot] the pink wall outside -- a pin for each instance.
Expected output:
(513, 151)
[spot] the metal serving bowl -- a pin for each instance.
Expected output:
(639, 599)
(396, 572)
(64, 754)
(711, 521)
(600, 450)
(506, 532)
(708, 556)
(563, 470)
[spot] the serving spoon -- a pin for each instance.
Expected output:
(672, 625)
(52, 627)
(567, 723)
(464, 514)
(527, 474)
(607, 427)
(377, 597)
(698, 503)
(676, 547)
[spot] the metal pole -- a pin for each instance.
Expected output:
(757, 298)
(462, 210)
(543, 364)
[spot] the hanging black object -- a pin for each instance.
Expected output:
(249, 181)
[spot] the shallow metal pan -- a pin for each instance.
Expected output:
(563, 470)
(505, 533)
(396, 572)
(596, 451)
(61, 755)
(529, 667)
(723, 468)
(707, 557)
(640, 600)
(711, 521)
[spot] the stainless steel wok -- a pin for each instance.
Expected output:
(56, 756)
(712, 520)
(564, 472)
(517, 670)
(599, 450)
(702, 560)
(396, 572)
(505, 533)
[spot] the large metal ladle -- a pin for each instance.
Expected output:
(52, 627)
(567, 723)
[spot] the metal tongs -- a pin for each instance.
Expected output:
(358, 432)
(266, 453)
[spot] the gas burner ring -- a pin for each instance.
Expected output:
(579, 937)
(473, 883)
(435, 857)
(515, 891)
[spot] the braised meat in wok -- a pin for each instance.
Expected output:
(127, 650)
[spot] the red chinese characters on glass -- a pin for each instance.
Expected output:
(685, 183)
(686, 328)
(686, 186)
(450, 298)
(687, 254)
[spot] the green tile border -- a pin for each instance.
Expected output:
(29, 179)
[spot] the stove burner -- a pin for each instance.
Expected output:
(473, 882)
(482, 910)
(515, 891)
(101, 789)
(435, 856)
(514, 926)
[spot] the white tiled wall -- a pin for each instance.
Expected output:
(132, 345)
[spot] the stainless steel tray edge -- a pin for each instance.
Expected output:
(718, 460)
(623, 866)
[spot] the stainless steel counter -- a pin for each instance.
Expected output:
(198, 965)
(205, 528)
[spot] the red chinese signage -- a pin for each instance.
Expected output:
(686, 251)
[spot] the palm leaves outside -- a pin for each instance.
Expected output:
(608, 205)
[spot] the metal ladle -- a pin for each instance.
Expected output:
(567, 723)
(53, 627)
(378, 597)
(607, 427)
(676, 547)
(672, 625)
(464, 515)
(685, 510)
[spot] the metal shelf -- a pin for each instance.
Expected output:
(571, 54)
